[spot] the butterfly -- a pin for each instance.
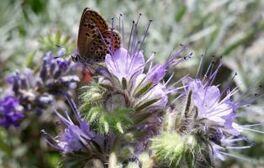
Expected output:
(95, 38)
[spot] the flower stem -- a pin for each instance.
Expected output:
(112, 157)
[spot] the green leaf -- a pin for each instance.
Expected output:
(180, 13)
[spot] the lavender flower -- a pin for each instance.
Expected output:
(142, 87)
(75, 137)
(58, 74)
(207, 99)
(129, 95)
(215, 116)
(36, 92)
(11, 112)
(123, 65)
(201, 120)
(78, 138)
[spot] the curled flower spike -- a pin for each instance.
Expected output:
(215, 116)
(209, 105)
(202, 113)
(77, 138)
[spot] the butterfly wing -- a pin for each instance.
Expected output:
(112, 40)
(107, 42)
(90, 25)
(95, 40)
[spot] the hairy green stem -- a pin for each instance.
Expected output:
(113, 163)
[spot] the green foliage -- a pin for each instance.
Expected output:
(105, 122)
(95, 111)
(174, 150)
(75, 160)
(52, 41)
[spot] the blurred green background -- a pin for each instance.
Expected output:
(232, 29)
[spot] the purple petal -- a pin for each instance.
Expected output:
(122, 65)
(156, 74)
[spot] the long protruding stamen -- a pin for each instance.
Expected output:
(230, 94)
(253, 125)
(208, 70)
(212, 76)
(177, 98)
(176, 89)
(200, 67)
(170, 78)
(236, 157)
(248, 98)
(111, 39)
(228, 86)
(123, 28)
(144, 36)
(139, 15)
(177, 61)
(112, 22)
(251, 130)
(135, 35)
(135, 50)
(72, 105)
(179, 81)
(130, 36)
(211, 70)
(111, 49)
(50, 140)
(151, 57)
(238, 147)
(121, 25)
(172, 60)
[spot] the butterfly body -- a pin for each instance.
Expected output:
(95, 38)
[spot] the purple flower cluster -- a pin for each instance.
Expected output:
(143, 90)
(129, 105)
(36, 91)
(11, 112)
(207, 120)
(215, 113)
(77, 135)
(210, 106)
(128, 69)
